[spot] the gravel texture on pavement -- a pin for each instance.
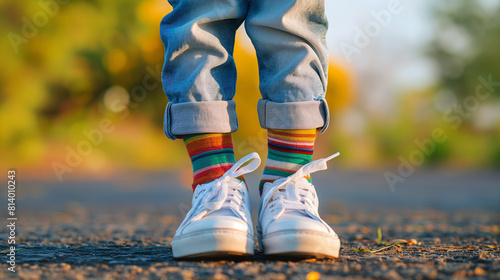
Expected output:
(63, 234)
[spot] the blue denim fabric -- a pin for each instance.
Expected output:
(199, 74)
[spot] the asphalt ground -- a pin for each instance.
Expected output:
(436, 224)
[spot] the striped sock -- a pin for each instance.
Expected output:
(211, 155)
(288, 150)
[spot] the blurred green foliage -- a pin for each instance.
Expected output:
(466, 45)
(466, 51)
(65, 63)
(60, 58)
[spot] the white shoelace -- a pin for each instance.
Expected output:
(292, 193)
(226, 191)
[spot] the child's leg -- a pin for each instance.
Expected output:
(289, 37)
(199, 74)
(199, 78)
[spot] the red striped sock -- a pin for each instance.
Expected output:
(288, 151)
(211, 154)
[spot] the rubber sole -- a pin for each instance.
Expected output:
(213, 244)
(300, 244)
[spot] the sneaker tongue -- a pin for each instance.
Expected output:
(295, 212)
(223, 212)
(265, 188)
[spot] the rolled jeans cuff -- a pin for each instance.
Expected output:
(294, 115)
(200, 117)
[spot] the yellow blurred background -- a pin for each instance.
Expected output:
(80, 92)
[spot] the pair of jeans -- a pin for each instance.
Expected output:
(199, 73)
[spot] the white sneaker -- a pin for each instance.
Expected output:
(219, 221)
(289, 222)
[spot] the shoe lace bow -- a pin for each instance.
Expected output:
(223, 192)
(292, 193)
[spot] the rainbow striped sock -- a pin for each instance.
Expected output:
(288, 150)
(211, 155)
